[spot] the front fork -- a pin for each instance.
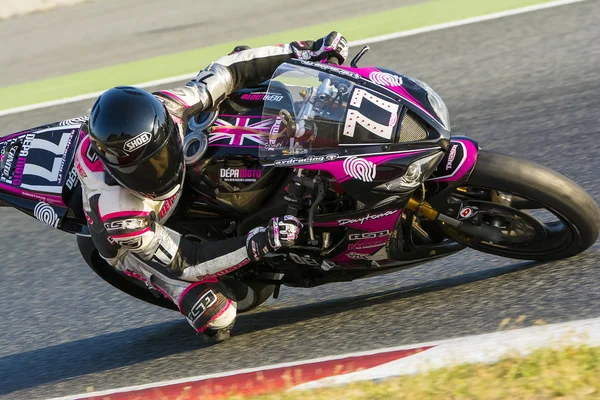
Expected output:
(452, 173)
(422, 208)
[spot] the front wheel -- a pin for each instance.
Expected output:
(541, 214)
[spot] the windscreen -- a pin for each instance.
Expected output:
(312, 121)
(323, 112)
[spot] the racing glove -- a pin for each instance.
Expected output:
(280, 232)
(332, 45)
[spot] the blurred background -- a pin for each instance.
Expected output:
(525, 85)
(108, 32)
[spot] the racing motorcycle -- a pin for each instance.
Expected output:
(362, 155)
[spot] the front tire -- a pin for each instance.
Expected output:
(529, 188)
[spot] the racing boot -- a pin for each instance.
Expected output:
(209, 308)
(218, 335)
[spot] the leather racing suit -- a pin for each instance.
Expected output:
(127, 228)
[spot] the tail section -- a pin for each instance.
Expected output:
(37, 174)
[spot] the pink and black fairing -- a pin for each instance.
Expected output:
(38, 176)
(237, 174)
(248, 166)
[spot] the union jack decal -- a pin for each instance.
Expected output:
(243, 133)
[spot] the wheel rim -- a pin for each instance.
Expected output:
(528, 228)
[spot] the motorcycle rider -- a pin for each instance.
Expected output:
(132, 170)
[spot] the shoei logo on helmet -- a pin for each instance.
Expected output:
(140, 140)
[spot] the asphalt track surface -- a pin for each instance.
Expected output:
(101, 33)
(526, 85)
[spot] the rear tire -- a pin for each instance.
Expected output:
(558, 194)
(116, 279)
(250, 295)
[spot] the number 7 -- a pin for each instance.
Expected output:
(49, 175)
(356, 117)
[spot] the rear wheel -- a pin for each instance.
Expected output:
(117, 279)
(250, 295)
(541, 214)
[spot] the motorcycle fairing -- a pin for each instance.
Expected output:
(364, 245)
(37, 175)
(458, 162)
(357, 161)
(366, 237)
(346, 168)
(360, 175)
(393, 82)
(453, 171)
(400, 87)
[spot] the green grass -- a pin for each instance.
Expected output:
(405, 18)
(568, 373)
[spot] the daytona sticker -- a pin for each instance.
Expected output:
(367, 217)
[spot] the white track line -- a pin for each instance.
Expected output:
(89, 96)
(371, 40)
(485, 348)
(467, 21)
(480, 349)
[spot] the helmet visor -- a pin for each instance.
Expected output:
(154, 176)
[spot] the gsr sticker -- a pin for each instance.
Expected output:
(206, 301)
(126, 224)
(368, 235)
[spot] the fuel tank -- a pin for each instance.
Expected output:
(230, 173)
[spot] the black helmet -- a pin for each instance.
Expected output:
(138, 142)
